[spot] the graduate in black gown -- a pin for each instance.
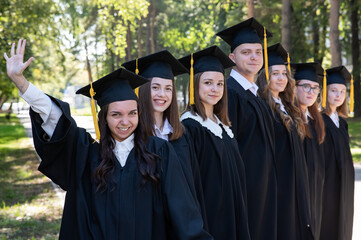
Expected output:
(308, 78)
(160, 112)
(293, 215)
(338, 194)
(220, 165)
(252, 126)
(127, 186)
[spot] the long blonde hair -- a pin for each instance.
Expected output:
(288, 99)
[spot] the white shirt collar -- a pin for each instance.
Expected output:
(167, 129)
(209, 124)
(308, 114)
(122, 149)
(335, 119)
(279, 101)
(244, 82)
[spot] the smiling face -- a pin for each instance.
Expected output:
(336, 95)
(122, 119)
(306, 99)
(278, 79)
(248, 58)
(211, 88)
(161, 91)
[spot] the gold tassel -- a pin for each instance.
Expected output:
(95, 120)
(265, 55)
(136, 90)
(324, 89)
(288, 62)
(351, 95)
(191, 84)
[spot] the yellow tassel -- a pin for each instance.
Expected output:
(265, 55)
(288, 62)
(95, 120)
(191, 83)
(136, 90)
(324, 89)
(351, 95)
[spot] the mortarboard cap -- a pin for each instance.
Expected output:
(338, 74)
(308, 71)
(161, 64)
(116, 86)
(209, 59)
(277, 55)
(249, 31)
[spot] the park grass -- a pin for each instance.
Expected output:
(29, 206)
(354, 129)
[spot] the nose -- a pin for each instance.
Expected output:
(124, 120)
(161, 92)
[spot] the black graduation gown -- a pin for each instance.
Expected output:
(293, 215)
(338, 193)
(223, 182)
(126, 210)
(316, 175)
(184, 149)
(253, 129)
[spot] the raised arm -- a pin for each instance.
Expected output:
(15, 65)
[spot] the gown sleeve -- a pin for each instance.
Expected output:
(181, 206)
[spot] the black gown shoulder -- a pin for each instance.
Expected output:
(127, 208)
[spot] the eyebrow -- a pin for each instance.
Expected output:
(169, 85)
(115, 111)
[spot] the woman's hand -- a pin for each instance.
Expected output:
(15, 65)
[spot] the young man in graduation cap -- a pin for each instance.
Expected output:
(252, 126)
(127, 186)
(338, 195)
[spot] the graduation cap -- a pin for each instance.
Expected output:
(249, 31)
(209, 59)
(161, 64)
(341, 75)
(116, 86)
(308, 71)
(277, 55)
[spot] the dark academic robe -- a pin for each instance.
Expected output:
(316, 175)
(338, 193)
(253, 128)
(184, 149)
(126, 209)
(293, 215)
(223, 182)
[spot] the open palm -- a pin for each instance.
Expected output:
(15, 65)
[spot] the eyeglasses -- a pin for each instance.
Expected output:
(307, 88)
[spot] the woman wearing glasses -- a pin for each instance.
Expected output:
(338, 196)
(308, 78)
(293, 219)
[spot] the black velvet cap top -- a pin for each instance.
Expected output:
(161, 64)
(338, 74)
(308, 71)
(116, 86)
(249, 31)
(209, 59)
(277, 55)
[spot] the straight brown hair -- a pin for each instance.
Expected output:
(220, 109)
(171, 113)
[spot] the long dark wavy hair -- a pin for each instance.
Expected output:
(288, 99)
(220, 109)
(146, 161)
(171, 113)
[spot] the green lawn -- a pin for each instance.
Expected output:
(29, 207)
(354, 129)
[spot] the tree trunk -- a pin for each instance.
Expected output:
(152, 21)
(88, 68)
(250, 7)
(140, 33)
(286, 24)
(129, 44)
(335, 46)
(356, 57)
(316, 40)
(147, 38)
